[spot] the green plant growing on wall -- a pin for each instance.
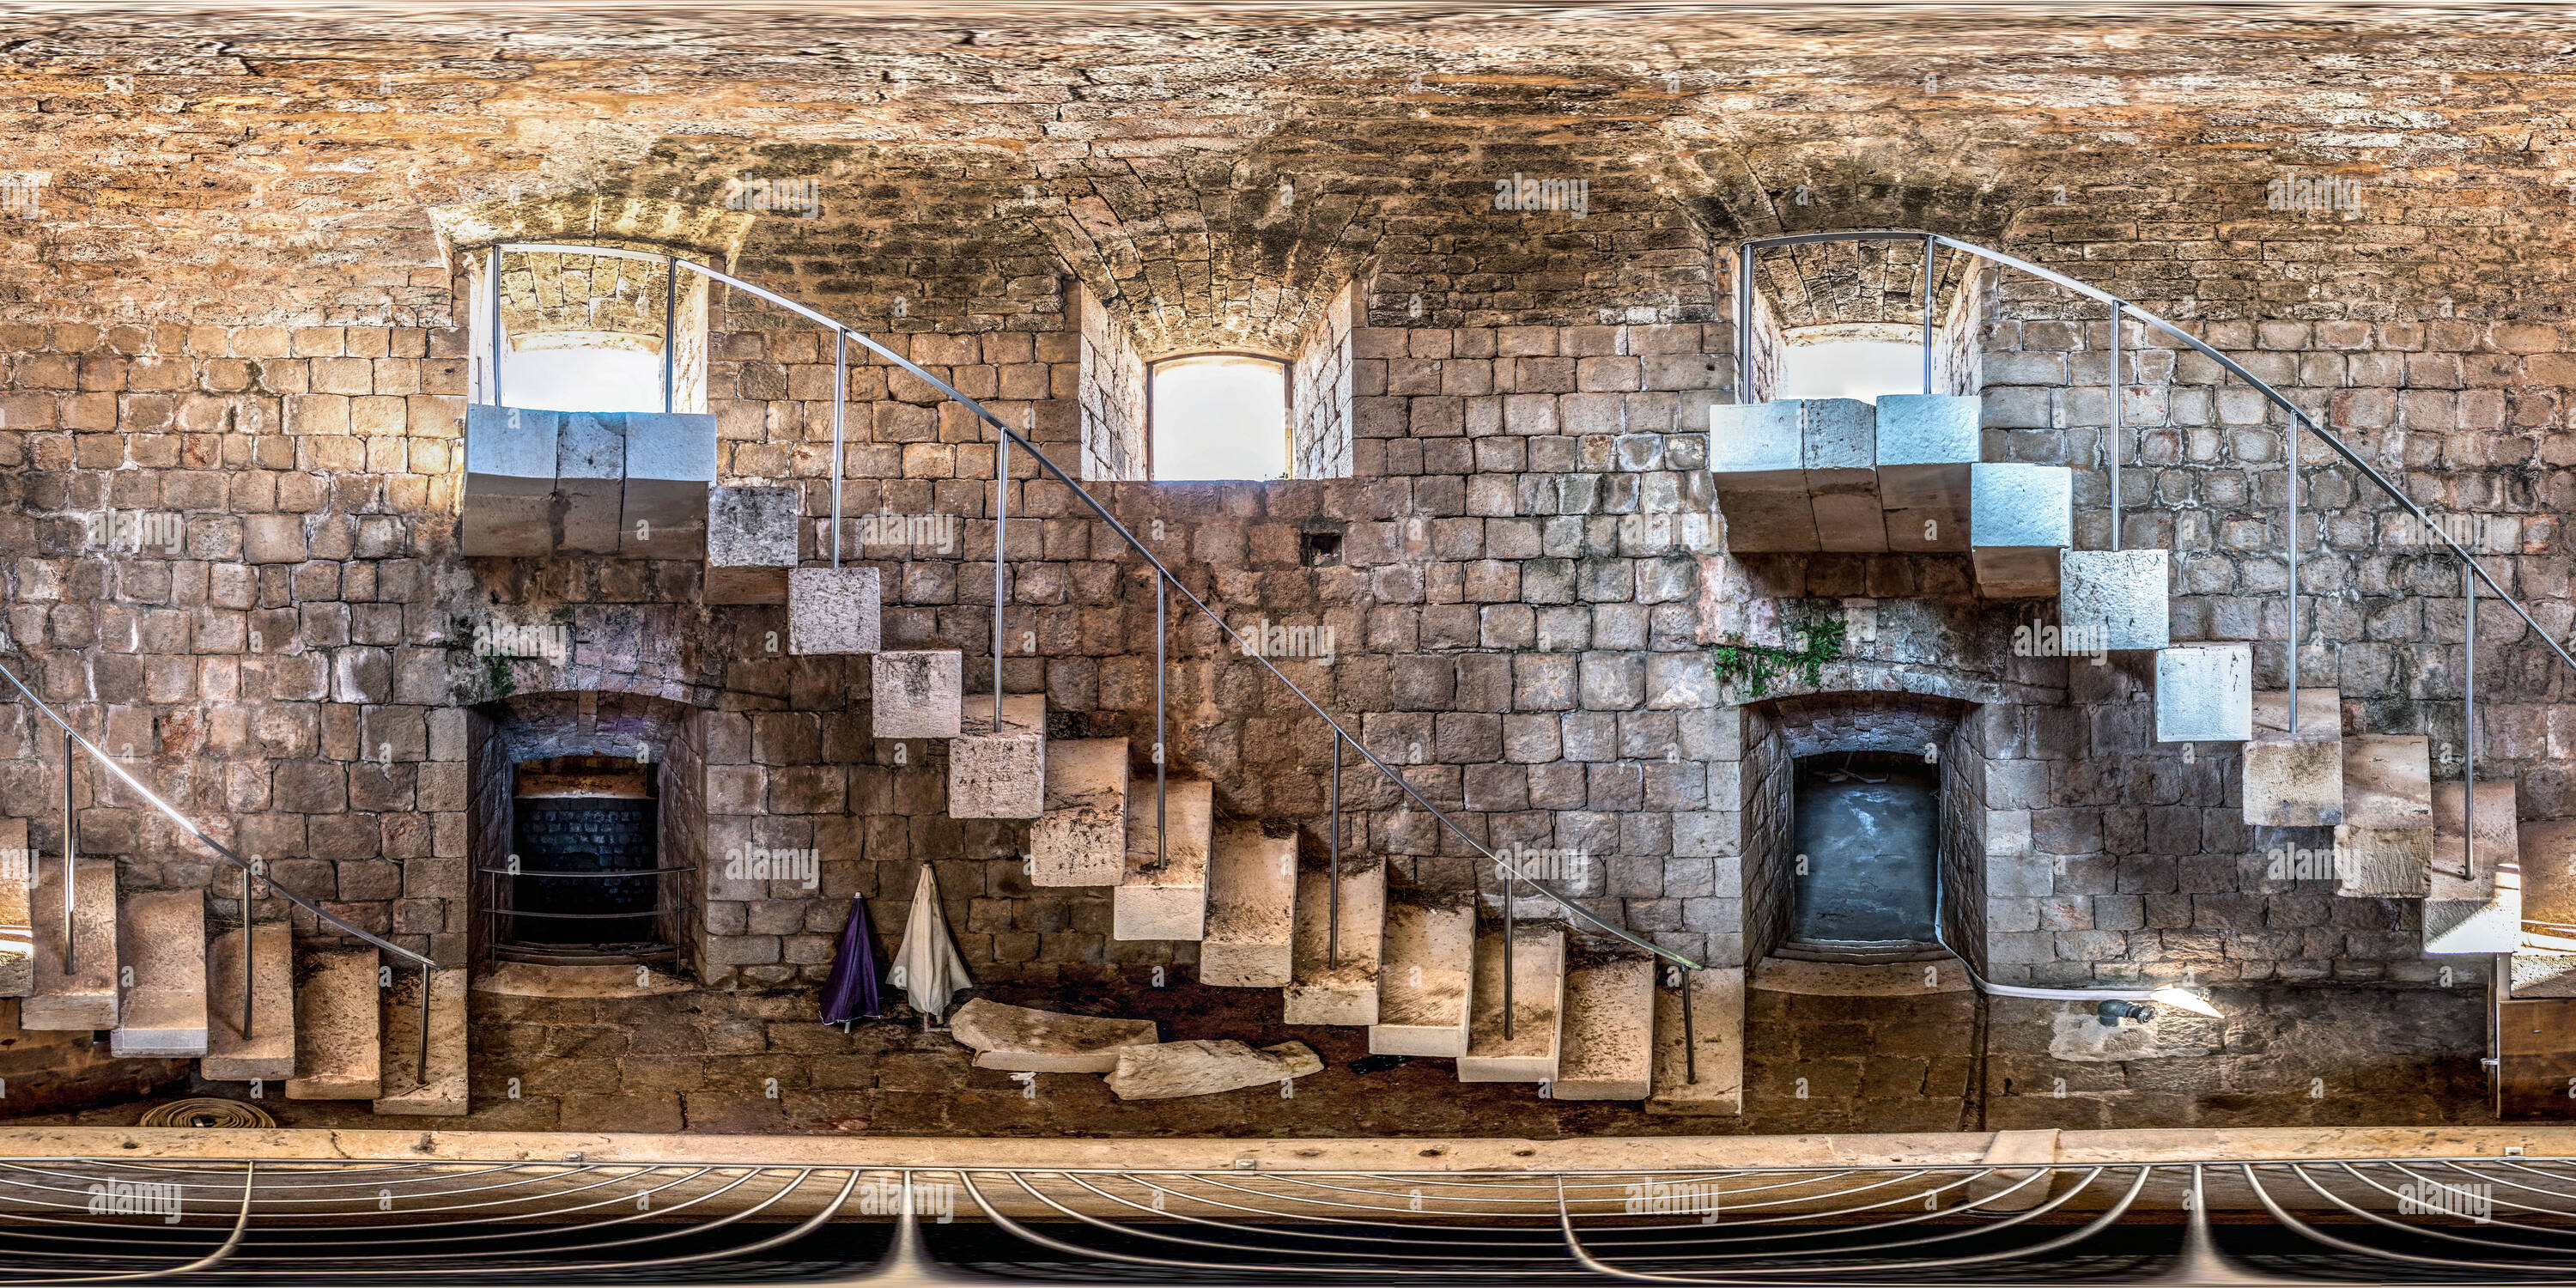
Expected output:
(1754, 666)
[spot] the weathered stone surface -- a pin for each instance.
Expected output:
(1838, 446)
(1703, 1075)
(1862, 979)
(1025, 1040)
(1024, 713)
(85, 997)
(670, 468)
(1608, 1031)
(2295, 779)
(1534, 1045)
(997, 776)
(1200, 1068)
(161, 940)
(2387, 782)
(339, 1048)
(1335, 982)
(2382, 862)
(832, 610)
(17, 918)
(917, 693)
(2079, 1036)
(267, 1050)
(2204, 693)
(509, 481)
(1163, 892)
(1430, 961)
(590, 487)
(1251, 909)
(1926, 444)
(752, 526)
(2473, 903)
(442, 1094)
(1756, 457)
(745, 585)
(1081, 839)
(2114, 599)
(2020, 517)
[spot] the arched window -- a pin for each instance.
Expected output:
(1218, 416)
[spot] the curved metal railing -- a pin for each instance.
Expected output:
(77, 1220)
(1510, 874)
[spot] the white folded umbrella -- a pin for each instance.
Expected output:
(927, 967)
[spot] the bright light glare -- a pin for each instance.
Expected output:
(582, 379)
(1861, 369)
(2183, 999)
(1220, 417)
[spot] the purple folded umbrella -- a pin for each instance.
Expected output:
(851, 992)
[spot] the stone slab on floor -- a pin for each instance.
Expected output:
(1251, 909)
(1320, 992)
(915, 693)
(267, 1051)
(832, 610)
(997, 776)
(1862, 979)
(1081, 837)
(1429, 966)
(86, 997)
(161, 948)
(339, 1025)
(1533, 1049)
(1608, 1031)
(1026, 1040)
(1202, 1067)
(1163, 892)
(442, 1094)
(1714, 1049)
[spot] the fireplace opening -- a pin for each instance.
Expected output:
(583, 883)
(1866, 832)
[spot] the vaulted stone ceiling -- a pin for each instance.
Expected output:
(1214, 172)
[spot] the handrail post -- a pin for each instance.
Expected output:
(840, 397)
(1333, 869)
(1744, 323)
(1001, 534)
(500, 342)
(670, 332)
(2469, 723)
(71, 863)
(1162, 747)
(1928, 247)
(2114, 444)
(1690, 1041)
(2293, 587)
(424, 1023)
(1506, 873)
(250, 942)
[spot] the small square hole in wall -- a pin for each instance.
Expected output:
(1321, 549)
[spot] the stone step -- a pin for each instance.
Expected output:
(2114, 599)
(2383, 862)
(161, 948)
(1164, 892)
(1531, 1053)
(1251, 909)
(999, 775)
(1717, 1035)
(85, 997)
(2295, 779)
(2387, 782)
(915, 693)
(2205, 693)
(1022, 713)
(17, 918)
(1609, 1030)
(442, 1094)
(832, 610)
(1081, 839)
(1430, 964)
(1797, 475)
(2549, 879)
(2019, 518)
(339, 1026)
(267, 1052)
(1320, 992)
(2475, 901)
(1927, 452)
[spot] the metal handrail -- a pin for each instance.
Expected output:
(1010, 437)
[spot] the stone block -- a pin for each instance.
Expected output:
(917, 693)
(2019, 518)
(1927, 444)
(1251, 910)
(1163, 894)
(2295, 779)
(2382, 863)
(1757, 462)
(2548, 872)
(670, 467)
(1532, 1049)
(161, 950)
(1838, 448)
(1321, 991)
(2205, 693)
(1429, 963)
(745, 585)
(1608, 1034)
(442, 1093)
(1202, 1067)
(1023, 1040)
(590, 472)
(2113, 599)
(2479, 910)
(1704, 1076)
(1081, 838)
(509, 481)
(265, 1051)
(997, 776)
(338, 1051)
(833, 610)
(752, 527)
(2387, 782)
(75, 977)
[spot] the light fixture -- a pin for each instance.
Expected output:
(2113, 1010)
(2184, 999)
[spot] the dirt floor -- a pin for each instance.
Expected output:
(760, 1063)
